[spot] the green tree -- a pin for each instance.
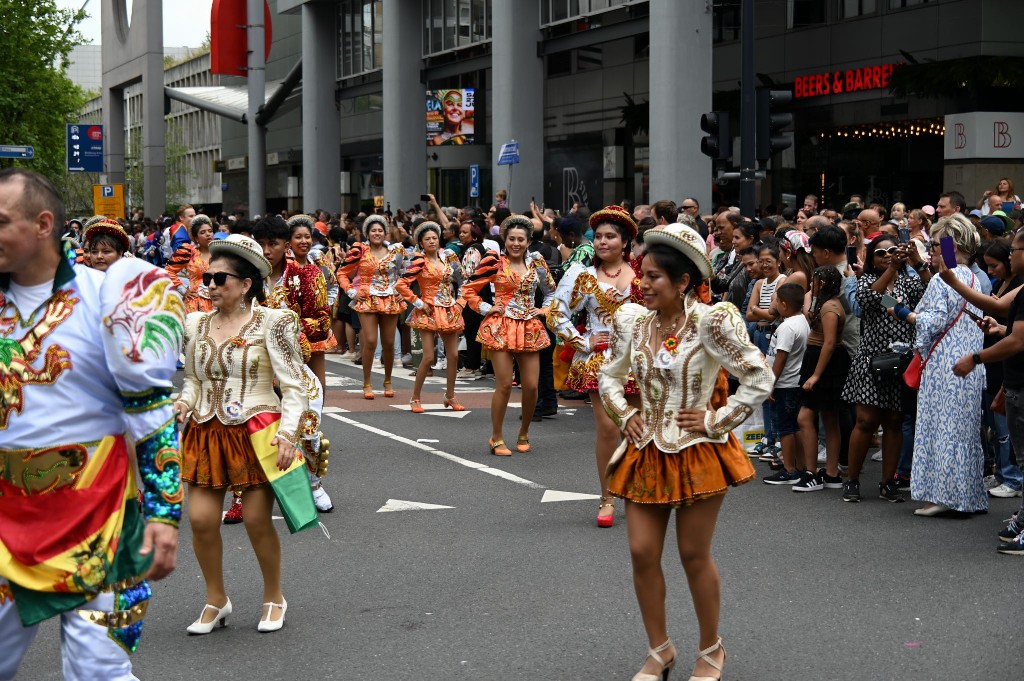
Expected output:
(178, 172)
(36, 97)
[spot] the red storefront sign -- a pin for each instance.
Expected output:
(838, 82)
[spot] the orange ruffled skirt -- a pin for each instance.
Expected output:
(444, 320)
(650, 476)
(219, 456)
(380, 305)
(504, 334)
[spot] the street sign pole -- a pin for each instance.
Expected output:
(748, 147)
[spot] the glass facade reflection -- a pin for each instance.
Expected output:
(454, 24)
(360, 37)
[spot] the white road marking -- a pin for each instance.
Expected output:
(498, 473)
(393, 505)
(551, 495)
(335, 410)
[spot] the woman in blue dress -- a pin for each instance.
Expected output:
(948, 458)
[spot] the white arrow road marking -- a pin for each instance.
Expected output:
(551, 495)
(496, 472)
(394, 505)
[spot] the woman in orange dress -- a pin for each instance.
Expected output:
(438, 312)
(512, 328)
(194, 260)
(370, 275)
(307, 293)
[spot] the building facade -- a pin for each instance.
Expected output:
(193, 139)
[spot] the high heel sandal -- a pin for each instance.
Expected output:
(498, 448)
(666, 667)
(416, 407)
(703, 655)
(266, 624)
(523, 443)
(199, 627)
(606, 520)
(453, 403)
(367, 392)
(389, 390)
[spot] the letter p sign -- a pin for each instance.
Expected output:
(108, 191)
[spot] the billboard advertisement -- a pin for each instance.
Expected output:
(450, 117)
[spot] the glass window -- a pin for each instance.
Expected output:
(555, 11)
(856, 8)
(725, 22)
(454, 24)
(361, 28)
(451, 15)
(900, 4)
(807, 12)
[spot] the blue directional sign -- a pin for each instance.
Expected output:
(85, 148)
(8, 151)
(474, 182)
(509, 154)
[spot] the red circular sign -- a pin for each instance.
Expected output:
(95, 133)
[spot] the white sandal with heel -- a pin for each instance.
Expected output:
(266, 624)
(703, 655)
(666, 668)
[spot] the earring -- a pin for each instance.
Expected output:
(241, 306)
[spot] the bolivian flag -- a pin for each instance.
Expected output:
(59, 546)
(291, 487)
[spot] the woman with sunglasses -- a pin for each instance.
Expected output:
(879, 400)
(512, 329)
(370, 275)
(437, 313)
(194, 260)
(239, 433)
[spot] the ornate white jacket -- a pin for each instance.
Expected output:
(235, 380)
(711, 337)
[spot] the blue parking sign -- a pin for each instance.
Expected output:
(84, 148)
(474, 182)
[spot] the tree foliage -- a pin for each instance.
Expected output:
(37, 99)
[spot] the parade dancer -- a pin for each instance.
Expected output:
(240, 435)
(438, 312)
(86, 360)
(307, 293)
(106, 243)
(369, 276)
(194, 259)
(599, 289)
(512, 328)
(675, 349)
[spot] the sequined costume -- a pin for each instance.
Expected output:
(374, 278)
(189, 260)
(88, 367)
(307, 297)
(580, 290)
(517, 329)
(315, 446)
(438, 283)
(655, 470)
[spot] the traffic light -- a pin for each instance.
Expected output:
(718, 142)
(770, 123)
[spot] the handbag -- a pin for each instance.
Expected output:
(912, 376)
(999, 402)
(889, 366)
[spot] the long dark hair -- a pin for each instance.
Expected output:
(831, 284)
(675, 265)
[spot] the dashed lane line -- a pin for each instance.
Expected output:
(496, 472)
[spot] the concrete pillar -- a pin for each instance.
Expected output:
(113, 120)
(517, 107)
(257, 134)
(321, 125)
(405, 145)
(681, 46)
(154, 127)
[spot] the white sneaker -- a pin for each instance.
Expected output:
(991, 481)
(322, 500)
(440, 365)
(877, 456)
(822, 458)
(1004, 491)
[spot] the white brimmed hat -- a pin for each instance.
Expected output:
(246, 248)
(686, 241)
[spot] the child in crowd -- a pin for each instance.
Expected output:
(822, 376)
(785, 356)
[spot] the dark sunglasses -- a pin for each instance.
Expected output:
(218, 278)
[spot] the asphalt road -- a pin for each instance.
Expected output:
(504, 585)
